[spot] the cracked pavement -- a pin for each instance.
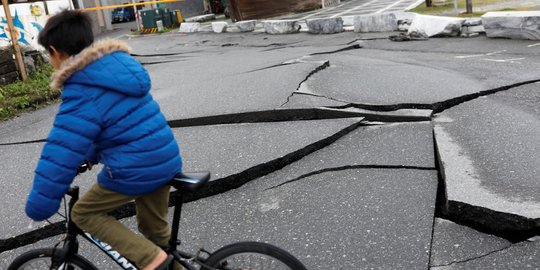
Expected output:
(348, 150)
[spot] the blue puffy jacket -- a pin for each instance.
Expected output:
(108, 115)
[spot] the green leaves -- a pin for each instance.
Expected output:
(20, 96)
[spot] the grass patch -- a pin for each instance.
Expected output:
(20, 97)
(446, 8)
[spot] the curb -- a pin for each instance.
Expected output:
(402, 20)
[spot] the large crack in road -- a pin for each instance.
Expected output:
(349, 167)
(512, 227)
(214, 187)
(434, 267)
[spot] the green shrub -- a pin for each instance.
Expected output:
(21, 96)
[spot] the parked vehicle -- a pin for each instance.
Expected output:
(123, 14)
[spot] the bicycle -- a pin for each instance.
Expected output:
(227, 257)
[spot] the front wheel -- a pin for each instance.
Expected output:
(252, 255)
(42, 259)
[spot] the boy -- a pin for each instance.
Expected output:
(107, 115)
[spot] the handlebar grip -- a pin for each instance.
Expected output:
(83, 168)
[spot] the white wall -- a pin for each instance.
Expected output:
(29, 19)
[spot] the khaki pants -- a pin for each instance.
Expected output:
(90, 213)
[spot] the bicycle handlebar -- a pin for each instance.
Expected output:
(85, 166)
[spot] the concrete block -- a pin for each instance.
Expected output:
(384, 22)
(202, 18)
(219, 27)
(474, 29)
(404, 27)
(246, 26)
(281, 26)
(348, 20)
(473, 22)
(189, 27)
(514, 25)
(325, 25)
(436, 26)
(404, 15)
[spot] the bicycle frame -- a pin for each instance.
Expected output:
(71, 244)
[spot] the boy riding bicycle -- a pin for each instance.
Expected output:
(107, 116)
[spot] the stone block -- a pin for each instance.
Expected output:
(202, 18)
(404, 27)
(325, 25)
(281, 26)
(219, 27)
(348, 20)
(474, 29)
(473, 22)
(514, 25)
(9, 78)
(6, 54)
(404, 16)
(404, 20)
(246, 26)
(384, 22)
(436, 26)
(7, 67)
(189, 27)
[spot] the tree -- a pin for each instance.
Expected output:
(429, 3)
(469, 6)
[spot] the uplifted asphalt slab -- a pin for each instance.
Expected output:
(381, 219)
(492, 62)
(392, 207)
(489, 151)
(454, 244)
(524, 255)
(393, 145)
(355, 77)
(241, 89)
(224, 150)
(315, 226)
(28, 126)
(459, 247)
(229, 149)
(16, 179)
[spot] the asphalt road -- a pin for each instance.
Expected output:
(336, 191)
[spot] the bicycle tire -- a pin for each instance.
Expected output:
(224, 257)
(28, 261)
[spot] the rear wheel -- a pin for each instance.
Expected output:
(253, 255)
(42, 259)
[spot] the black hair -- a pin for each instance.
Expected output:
(69, 32)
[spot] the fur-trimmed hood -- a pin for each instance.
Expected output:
(105, 64)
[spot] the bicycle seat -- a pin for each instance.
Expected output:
(190, 181)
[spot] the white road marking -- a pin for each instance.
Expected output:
(390, 6)
(533, 45)
(469, 56)
(354, 8)
(415, 4)
(323, 10)
(497, 52)
(479, 55)
(512, 61)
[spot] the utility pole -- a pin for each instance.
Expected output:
(137, 19)
(16, 49)
(469, 6)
